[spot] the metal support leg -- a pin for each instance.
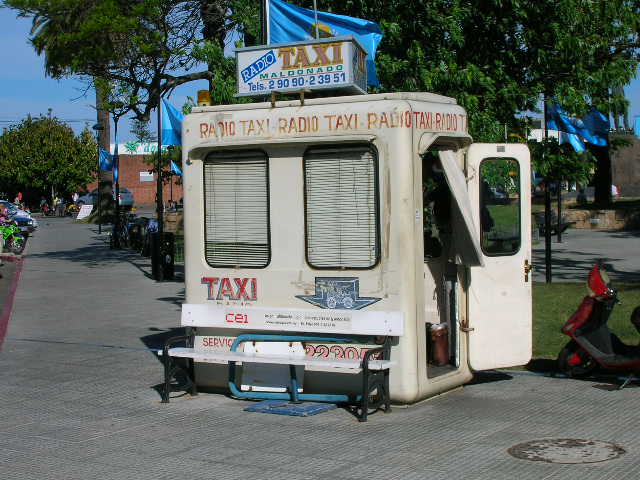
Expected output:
(294, 384)
(626, 382)
(364, 403)
(170, 369)
(166, 360)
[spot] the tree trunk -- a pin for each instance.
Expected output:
(105, 177)
(213, 14)
(603, 177)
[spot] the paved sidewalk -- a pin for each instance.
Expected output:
(581, 249)
(77, 398)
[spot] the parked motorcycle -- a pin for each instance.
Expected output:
(47, 211)
(593, 344)
(72, 210)
(14, 239)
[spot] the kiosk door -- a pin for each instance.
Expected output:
(499, 299)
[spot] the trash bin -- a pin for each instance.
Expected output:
(438, 345)
(162, 256)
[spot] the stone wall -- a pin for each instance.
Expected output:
(604, 219)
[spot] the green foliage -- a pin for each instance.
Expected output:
(141, 131)
(500, 57)
(138, 47)
(43, 153)
(502, 174)
(173, 153)
(560, 162)
(223, 79)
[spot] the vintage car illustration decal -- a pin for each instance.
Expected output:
(342, 293)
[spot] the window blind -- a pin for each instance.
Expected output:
(236, 196)
(341, 207)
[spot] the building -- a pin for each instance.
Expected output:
(135, 165)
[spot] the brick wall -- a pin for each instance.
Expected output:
(144, 193)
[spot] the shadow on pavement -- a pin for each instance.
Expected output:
(575, 266)
(489, 376)
(99, 255)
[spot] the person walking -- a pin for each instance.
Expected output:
(60, 207)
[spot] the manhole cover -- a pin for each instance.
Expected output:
(566, 450)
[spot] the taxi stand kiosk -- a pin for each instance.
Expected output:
(318, 231)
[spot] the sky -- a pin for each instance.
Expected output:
(24, 88)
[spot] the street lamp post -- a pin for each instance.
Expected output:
(98, 127)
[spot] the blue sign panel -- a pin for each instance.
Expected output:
(342, 293)
(260, 65)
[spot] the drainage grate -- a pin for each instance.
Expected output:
(566, 450)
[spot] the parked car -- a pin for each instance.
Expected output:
(126, 198)
(23, 218)
(91, 198)
(88, 198)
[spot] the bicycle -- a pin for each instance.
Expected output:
(119, 236)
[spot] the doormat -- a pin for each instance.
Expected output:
(285, 407)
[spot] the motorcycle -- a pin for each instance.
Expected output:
(592, 343)
(47, 211)
(71, 210)
(14, 240)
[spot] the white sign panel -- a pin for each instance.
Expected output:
(85, 211)
(146, 177)
(330, 63)
(293, 319)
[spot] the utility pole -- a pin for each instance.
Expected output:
(547, 209)
(159, 202)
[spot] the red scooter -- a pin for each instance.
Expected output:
(592, 343)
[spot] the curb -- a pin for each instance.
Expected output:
(5, 315)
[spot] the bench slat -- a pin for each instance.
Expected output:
(355, 322)
(201, 356)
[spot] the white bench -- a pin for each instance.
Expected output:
(293, 325)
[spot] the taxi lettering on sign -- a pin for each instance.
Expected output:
(226, 288)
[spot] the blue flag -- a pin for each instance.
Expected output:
(105, 160)
(175, 168)
(171, 124)
(636, 126)
(290, 23)
(115, 155)
(594, 128)
(575, 141)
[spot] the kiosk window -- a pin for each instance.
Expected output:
(236, 205)
(341, 207)
(500, 206)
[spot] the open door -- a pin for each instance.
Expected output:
(499, 300)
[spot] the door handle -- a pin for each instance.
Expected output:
(527, 268)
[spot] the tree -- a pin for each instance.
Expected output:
(498, 58)
(43, 155)
(559, 162)
(141, 131)
(151, 46)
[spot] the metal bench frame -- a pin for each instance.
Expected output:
(374, 393)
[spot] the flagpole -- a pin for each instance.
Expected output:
(547, 207)
(264, 15)
(159, 273)
(116, 173)
(315, 14)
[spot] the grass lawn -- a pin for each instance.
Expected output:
(554, 303)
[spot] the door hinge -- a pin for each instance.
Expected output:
(527, 268)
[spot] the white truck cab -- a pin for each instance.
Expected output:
(358, 207)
